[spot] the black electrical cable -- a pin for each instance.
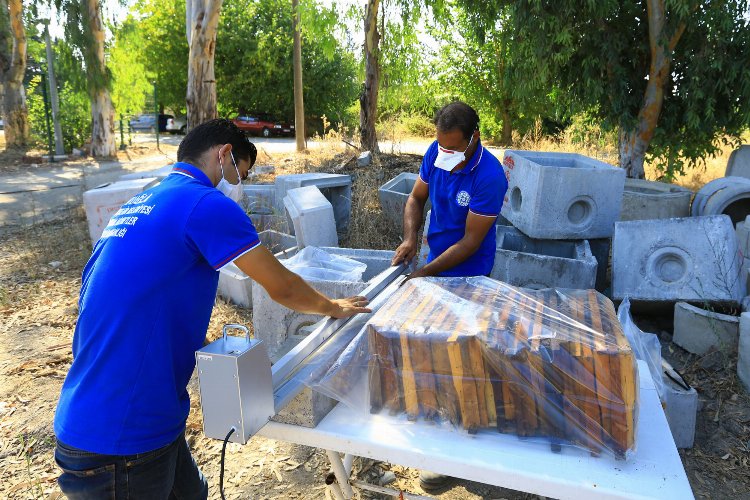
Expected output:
(221, 471)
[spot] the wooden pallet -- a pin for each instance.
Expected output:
(483, 354)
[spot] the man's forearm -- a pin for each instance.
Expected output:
(453, 256)
(412, 218)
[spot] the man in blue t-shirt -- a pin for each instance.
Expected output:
(466, 185)
(146, 299)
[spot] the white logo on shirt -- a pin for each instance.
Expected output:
(463, 198)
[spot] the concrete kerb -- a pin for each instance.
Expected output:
(694, 259)
(739, 162)
(562, 195)
(700, 331)
(743, 355)
(103, 201)
(534, 263)
(312, 217)
(681, 409)
(642, 199)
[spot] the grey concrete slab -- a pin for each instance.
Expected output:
(743, 355)
(739, 162)
(694, 259)
(561, 195)
(534, 263)
(700, 331)
(642, 200)
(312, 217)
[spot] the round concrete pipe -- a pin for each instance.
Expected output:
(710, 189)
(733, 201)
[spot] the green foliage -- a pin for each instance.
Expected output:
(130, 82)
(75, 115)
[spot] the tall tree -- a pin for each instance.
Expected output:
(85, 31)
(368, 98)
(12, 69)
(666, 74)
(299, 103)
(202, 19)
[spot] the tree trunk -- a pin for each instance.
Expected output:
(299, 103)
(201, 87)
(102, 112)
(633, 143)
(368, 98)
(13, 67)
(53, 97)
(507, 132)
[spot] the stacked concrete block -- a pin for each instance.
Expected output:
(561, 195)
(312, 217)
(693, 259)
(275, 324)
(393, 196)
(643, 200)
(335, 187)
(739, 162)
(681, 409)
(726, 195)
(236, 286)
(533, 263)
(743, 356)
(102, 202)
(157, 173)
(700, 331)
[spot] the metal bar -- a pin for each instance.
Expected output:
(291, 360)
(335, 490)
(348, 462)
(338, 469)
(387, 491)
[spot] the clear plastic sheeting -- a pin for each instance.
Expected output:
(312, 263)
(645, 345)
(483, 355)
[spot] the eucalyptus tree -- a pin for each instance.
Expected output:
(201, 22)
(670, 75)
(12, 70)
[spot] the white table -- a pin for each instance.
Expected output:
(654, 471)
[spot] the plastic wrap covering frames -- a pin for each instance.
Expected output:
(646, 346)
(312, 263)
(481, 354)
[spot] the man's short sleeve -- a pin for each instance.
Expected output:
(219, 230)
(428, 162)
(489, 191)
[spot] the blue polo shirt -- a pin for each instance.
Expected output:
(478, 188)
(145, 303)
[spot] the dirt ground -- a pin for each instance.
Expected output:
(39, 285)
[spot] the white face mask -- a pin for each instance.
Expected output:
(447, 159)
(232, 191)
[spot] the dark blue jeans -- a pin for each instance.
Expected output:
(167, 473)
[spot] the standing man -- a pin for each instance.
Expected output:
(145, 303)
(466, 185)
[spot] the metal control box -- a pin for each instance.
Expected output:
(234, 374)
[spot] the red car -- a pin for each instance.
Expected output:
(263, 124)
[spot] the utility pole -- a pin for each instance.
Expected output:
(299, 105)
(54, 100)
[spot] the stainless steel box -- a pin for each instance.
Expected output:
(234, 374)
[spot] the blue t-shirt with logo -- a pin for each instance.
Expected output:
(146, 299)
(478, 188)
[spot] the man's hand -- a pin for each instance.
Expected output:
(343, 308)
(405, 252)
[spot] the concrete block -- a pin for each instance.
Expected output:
(275, 324)
(601, 249)
(726, 195)
(260, 199)
(103, 201)
(307, 409)
(694, 259)
(561, 195)
(743, 356)
(364, 159)
(681, 409)
(699, 331)
(739, 162)
(393, 195)
(236, 286)
(158, 173)
(643, 200)
(335, 187)
(532, 263)
(311, 215)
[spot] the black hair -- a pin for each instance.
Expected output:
(213, 133)
(457, 115)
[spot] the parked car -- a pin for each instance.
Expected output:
(263, 124)
(147, 122)
(176, 125)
